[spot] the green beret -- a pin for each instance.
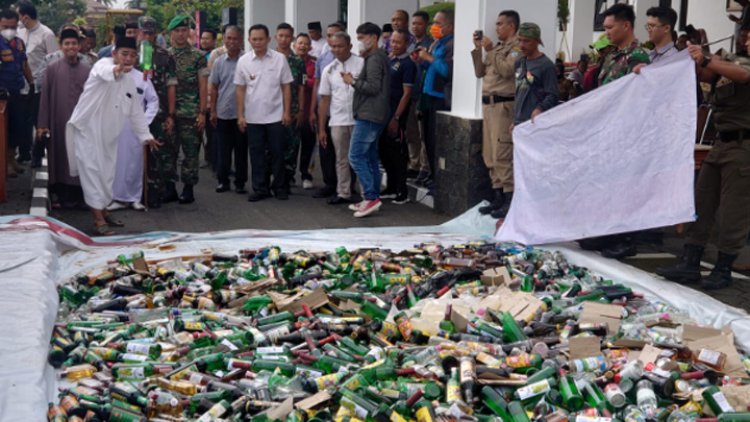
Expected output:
(178, 21)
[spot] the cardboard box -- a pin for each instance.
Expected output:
(496, 277)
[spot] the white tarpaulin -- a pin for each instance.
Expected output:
(616, 160)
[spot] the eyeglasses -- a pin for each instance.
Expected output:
(650, 27)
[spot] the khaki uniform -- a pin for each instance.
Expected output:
(498, 73)
(723, 189)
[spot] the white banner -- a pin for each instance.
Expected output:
(616, 160)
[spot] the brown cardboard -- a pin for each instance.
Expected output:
(737, 395)
(584, 347)
(141, 266)
(280, 412)
(723, 342)
(649, 354)
(523, 306)
(495, 276)
(594, 312)
(349, 305)
(696, 332)
(629, 343)
(293, 304)
(314, 400)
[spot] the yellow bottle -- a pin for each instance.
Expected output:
(77, 372)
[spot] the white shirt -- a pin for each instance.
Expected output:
(263, 78)
(342, 95)
(39, 41)
(318, 47)
(92, 131)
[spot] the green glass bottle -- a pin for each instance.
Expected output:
(287, 369)
(716, 400)
(446, 324)
(517, 413)
(571, 397)
(595, 397)
(512, 332)
(734, 416)
(495, 402)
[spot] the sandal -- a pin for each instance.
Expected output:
(103, 230)
(113, 222)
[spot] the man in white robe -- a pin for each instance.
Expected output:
(109, 99)
(128, 185)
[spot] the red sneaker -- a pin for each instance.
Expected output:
(368, 207)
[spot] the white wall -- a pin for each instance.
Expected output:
(324, 11)
(541, 12)
(267, 12)
(711, 15)
(380, 11)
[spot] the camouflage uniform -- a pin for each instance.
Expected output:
(191, 66)
(297, 66)
(621, 62)
(161, 162)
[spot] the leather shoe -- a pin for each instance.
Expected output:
(255, 197)
(324, 192)
(223, 187)
(620, 250)
(282, 195)
(337, 200)
(170, 194)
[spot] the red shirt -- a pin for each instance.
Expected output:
(308, 80)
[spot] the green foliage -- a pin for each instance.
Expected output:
(434, 8)
(563, 14)
(55, 13)
(164, 10)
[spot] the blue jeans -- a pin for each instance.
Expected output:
(364, 158)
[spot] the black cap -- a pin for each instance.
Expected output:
(316, 26)
(69, 33)
(126, 42)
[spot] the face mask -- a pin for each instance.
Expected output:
(436, 31)
(362, 46)
(8, 34)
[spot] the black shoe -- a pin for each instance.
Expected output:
(422, 178)
(282, 194)
(502, 211)
(223, 187)
(170, 194)
(401, 199)
(620, 250)
(721, 275)
(154, 200)
(324, 192)
(187, 196)
(412, 174)
(240, 189)
(497, 201)
(255, 197)
(337, 200)
(688, 270)
(388, 194)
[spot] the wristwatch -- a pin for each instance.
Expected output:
(706, 60)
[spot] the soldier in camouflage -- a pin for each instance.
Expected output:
(284, 37)
(192, 78)
(160, 166)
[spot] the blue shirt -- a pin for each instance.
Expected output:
(439, 71)
(403, 73)
(222, 74)
(324, 60)
(13, 55)
(106, 51)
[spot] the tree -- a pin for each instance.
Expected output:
(55, 13)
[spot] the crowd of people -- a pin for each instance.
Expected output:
(364, 108)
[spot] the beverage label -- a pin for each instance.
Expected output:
(520, 361)
(274, 334)
(327, 381)
(533, 390)
(358, 410)
(423, 414)
(134, 358)
(273, 350)
(309, 372)
(131, 372)
(194, 326)
(722, 402)
(195, 378)
(614, 395)
(229, 345)
(139, 348)
(710, 357)
(452, 392)
(395, 417)
(467, 370)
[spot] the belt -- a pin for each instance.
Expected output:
(734, 135)
(492, 99)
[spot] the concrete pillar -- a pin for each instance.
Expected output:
(355, 17)
(247, 19)
(641, 6)
(580, 26)
(290, 13)
(467, 100)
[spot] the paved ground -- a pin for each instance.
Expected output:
(226, 211)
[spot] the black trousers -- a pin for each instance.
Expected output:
(307, 138)
(267, 139)
(17, 121)
(394, 155)
(327, 156)
(430, 142)
(230, 141)
(31, 103)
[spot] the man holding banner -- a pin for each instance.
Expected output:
(723, 189)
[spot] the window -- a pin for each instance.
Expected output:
(601, 7)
